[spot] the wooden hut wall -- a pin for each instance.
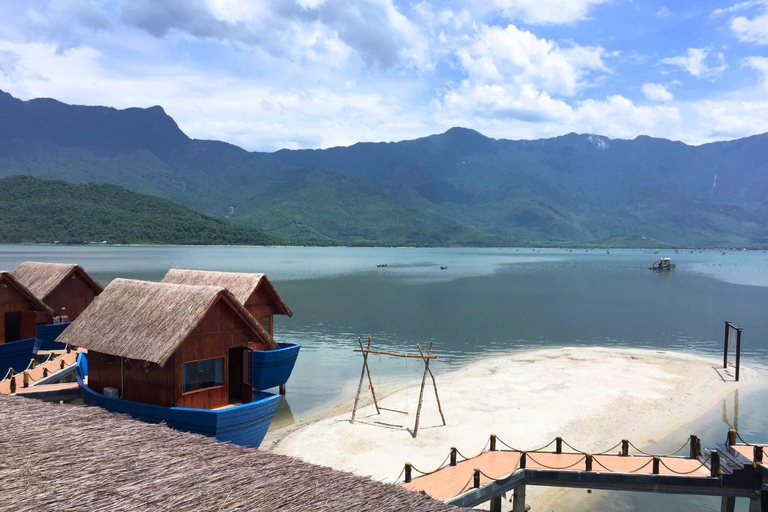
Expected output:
(71, 297)
(221, 329)
(260, 304)
(156, 387)
(12, 301)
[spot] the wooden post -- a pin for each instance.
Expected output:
(518, 498)
(13, 383)
(362, 376)
(754, 503)
(25, 379)
(727, 504)
(476, 479)
(764, 499)
(731, 437)
(725, 345)
(738, 353)
(421, 391)
(588, 461)
(558, 445)
(408, 472)
(693, 447)
(453, 455)
(757, 457)
(714, 464)
(281, 389)
(432, 375)
(493, 442)
(655, 465)
(625, 448)
(523, 460)
(496, 504)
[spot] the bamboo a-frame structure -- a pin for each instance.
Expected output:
(426, 358)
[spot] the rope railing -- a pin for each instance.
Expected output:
(703, 464)
(597, 461)
(661, 455)
(582, 459)
(510, 448)
(485, 449)
(609, 450)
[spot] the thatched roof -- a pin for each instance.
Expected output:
(7, 279)
(42, 278)
(65, 457)
(242, 285)
(148, 321)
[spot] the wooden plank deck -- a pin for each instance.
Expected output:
(452, 481)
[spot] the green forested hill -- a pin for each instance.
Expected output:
(43, 211)
(458, 187)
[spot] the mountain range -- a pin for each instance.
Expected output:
(458, 187)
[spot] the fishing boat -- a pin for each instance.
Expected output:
(381, 265)
(443, 267)
(47, 334)
(177, 354)
(662, 264)
(242, 424)
(17, 355)
(272, 368)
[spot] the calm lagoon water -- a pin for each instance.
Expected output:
(486, 301)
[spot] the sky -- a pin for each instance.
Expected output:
(271, 74)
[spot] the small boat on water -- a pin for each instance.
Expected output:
(662, 265)
(272, 368)
(443, 267)
(381, 265)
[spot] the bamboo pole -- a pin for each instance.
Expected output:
(368, 370)
(421, 392)
(360, 385)
(434, 383)
(394, 354)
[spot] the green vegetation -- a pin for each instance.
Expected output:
(43, 211)
(456, 188)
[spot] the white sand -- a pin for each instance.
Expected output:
(592, 397)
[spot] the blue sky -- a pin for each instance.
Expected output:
(318, 73)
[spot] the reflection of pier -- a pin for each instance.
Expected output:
(730, 470)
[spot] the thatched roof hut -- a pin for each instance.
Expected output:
(149, 321)
(42, 278)
(242, 285)
(19, 310)
(8, 280)
(61, 457)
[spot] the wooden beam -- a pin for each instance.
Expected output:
(394, 354)
(421, 391)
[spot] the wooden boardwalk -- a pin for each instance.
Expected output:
(731, 470)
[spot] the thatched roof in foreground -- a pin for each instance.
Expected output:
(149, 321)
(42, 278)
(242, 285)
(7, 279)
(62, 457)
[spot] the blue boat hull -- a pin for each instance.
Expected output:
(272, 368)
(48, 334)
(17, 354)
(244, 425)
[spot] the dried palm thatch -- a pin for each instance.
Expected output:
(42, 278)
(149, 321)
(63, 457)
(7, 279)
(242, 285)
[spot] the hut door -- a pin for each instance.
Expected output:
(12, 326)
(239, 390)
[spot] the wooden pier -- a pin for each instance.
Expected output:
(731, 470)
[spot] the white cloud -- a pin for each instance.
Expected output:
(664, 12)
(739, 7)
(759, 64)
(545, 12)
(657, 92)
(753, 30)
(695, 62)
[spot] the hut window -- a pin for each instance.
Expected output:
(203, 374)
(267, 323)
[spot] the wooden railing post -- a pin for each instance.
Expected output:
(476, 478)
(523, 460)
(758, 455)
(408, 472)
(714, 463)
(693, 446)
(453, 455)
(731, 436)
(655, 465)
(493, 442)
(558, 445)
(624, 448)
(588, 461)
